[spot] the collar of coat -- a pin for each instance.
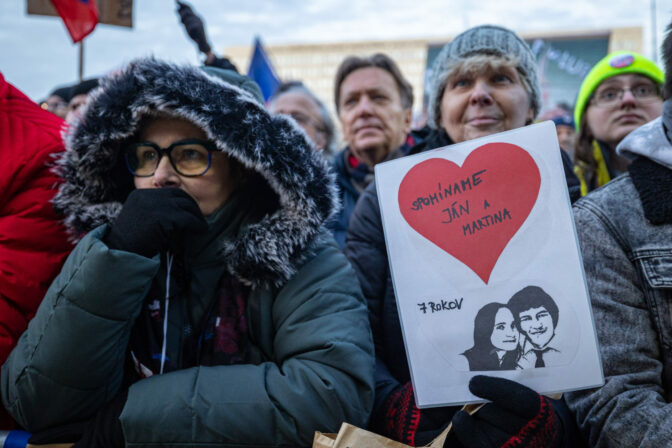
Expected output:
(96, 182)
(654, 185)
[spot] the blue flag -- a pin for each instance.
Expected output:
(262, 71)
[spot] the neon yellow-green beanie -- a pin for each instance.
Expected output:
(614, 64)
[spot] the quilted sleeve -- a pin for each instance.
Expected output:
(33, 243)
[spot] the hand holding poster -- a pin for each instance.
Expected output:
(486, 266)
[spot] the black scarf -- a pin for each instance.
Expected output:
(654, 181)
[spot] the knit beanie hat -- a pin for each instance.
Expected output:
(488, 40)
(613, 64)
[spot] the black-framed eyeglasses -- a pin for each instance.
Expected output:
(611, 96)
(189, 157)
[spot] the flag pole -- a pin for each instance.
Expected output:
(81, 60)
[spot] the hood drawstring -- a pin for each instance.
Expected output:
(169, 263)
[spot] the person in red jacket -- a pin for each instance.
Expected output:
(33, 241)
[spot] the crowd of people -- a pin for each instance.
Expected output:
(182, 264)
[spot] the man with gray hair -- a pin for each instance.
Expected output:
(293, 98)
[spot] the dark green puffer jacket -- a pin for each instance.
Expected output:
(310, 360)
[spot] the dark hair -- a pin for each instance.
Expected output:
(378, 60)
(287, 86)
(83, 87)
(666, 49)
(484, 323)
(327, 123)
(482, 355)
(62, 92)
(583, 149)
(533, 297)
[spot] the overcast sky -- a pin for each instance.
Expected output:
(37, 54)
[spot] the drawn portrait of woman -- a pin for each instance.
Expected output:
(496, 338)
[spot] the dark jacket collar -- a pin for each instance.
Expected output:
(654, 185)
(436, 138)
(652, 180)
(348, 177)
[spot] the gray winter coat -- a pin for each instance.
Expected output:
(625, 233)
(310, 364)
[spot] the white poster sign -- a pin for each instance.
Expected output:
(486, 266)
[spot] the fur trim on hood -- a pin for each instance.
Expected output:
(97, 182)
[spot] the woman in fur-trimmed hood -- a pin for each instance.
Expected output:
(204, 302)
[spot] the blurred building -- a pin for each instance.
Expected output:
(316, 64)
(564, 59)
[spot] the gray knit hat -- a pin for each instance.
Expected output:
(484, 39)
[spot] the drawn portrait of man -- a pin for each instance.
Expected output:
(536, 315)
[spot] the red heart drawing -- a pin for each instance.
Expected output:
(472, 211)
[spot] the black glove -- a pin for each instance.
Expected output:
(102, 431)
(154, 220)
(404, 422)
(194, 26)
(517, 417)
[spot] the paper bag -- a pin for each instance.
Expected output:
(350, 436)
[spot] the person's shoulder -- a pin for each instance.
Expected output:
(324, 273)
(322, 258)
(370, 193)
(41, 124)
(616, 197)
(366, 219)
(337, 161)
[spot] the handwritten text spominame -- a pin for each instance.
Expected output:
(445, 192)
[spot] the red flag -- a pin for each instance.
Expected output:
(80, 16)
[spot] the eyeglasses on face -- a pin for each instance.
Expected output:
(189, 157)
(304, 120)
(611, 96)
